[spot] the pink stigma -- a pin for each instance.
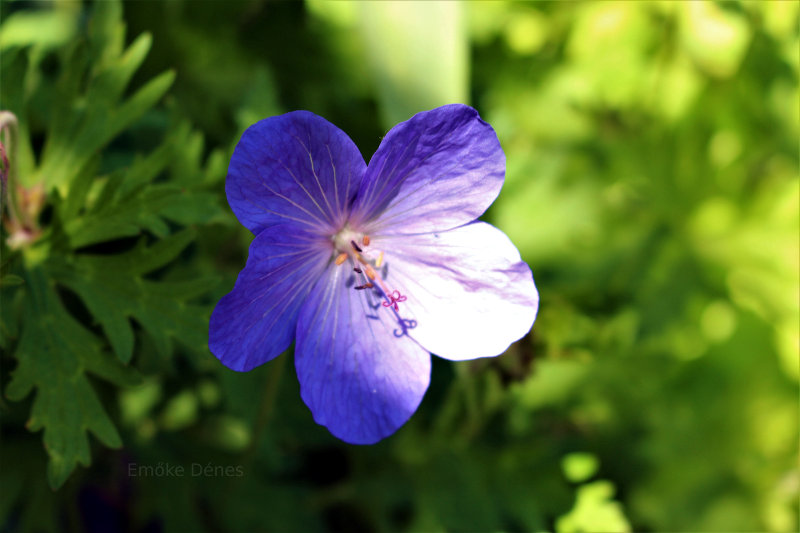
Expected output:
(395, 297)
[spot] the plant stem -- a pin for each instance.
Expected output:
(9, 132)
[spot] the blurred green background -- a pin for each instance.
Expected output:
(652, 186)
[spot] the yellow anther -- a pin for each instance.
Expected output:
(341, 259)
(365, 240)
(379, 262)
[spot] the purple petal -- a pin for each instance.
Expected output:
(436, 171)
(296, 168)
(256, 321)
(359, 375)
(469, 294)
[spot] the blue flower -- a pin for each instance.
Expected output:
(370, 268)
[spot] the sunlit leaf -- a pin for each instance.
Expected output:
(594, 511)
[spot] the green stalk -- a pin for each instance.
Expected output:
(10, 132)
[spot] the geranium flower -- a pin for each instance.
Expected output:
(370, 268)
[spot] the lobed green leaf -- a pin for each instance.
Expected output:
(114, 291)
(54, 354)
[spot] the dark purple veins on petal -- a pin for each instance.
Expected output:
(296, 169)
(256, 321)
(327, 229)
(438, 170)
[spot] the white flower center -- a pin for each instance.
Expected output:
(343, 239)
(352, 247)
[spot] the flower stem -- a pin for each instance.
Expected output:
(8, 150)
(267, 405)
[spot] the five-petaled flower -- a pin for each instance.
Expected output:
(370, 268)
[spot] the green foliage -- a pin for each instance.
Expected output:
(55, 352)
(126, 202)
(594, 511)
(55, 344)
(97, 112)
(652, 185)
(114, 291)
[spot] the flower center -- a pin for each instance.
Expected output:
(352, 247)
(341, 240)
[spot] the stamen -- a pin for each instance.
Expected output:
(367, 267)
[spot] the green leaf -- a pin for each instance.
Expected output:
(114, 291)
(579, 466)
(136, 213)
(10, 305)
(47, 29)
(128, 202)
(141, 101)
(11, 280)
(54, 354)
(108, 85)
(594, 511)
(79, 190)
(98, 113)
(106, 31)
(94, 128)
